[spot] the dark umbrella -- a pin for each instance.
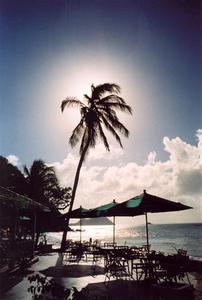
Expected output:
(80, 213)
(104, 211)
(143, 204)
(51, 222)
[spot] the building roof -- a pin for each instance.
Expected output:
(12, 199)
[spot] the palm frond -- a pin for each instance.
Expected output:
(99, 90)
(88, 98)
(100, 109)
(111, 129)
(103, 137)
(76, 134)
(93, 136)
(71, 102)
(90, 136)
(111, 98)
(114, 121)
(123, 107)
(104, 110)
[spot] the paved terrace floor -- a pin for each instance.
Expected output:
(81, 275)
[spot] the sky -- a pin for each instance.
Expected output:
(151, 48)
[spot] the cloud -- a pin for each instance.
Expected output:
(65, 170)
(151, 158)
(190, 182)
(13, 159)
(100, 152)
(178, 178)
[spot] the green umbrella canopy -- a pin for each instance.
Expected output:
(146, 203)
(143, 204)
(79, 213)
(102, 211)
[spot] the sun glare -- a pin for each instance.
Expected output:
(77, 82)
(81, 81)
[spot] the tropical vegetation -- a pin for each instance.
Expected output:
(39, 182)
(43, 186)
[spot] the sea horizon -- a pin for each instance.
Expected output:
(166, 238)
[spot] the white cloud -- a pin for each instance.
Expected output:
(100, 152)
(151, 157)
(13, 159)
(179, 178)
(66, 170)
(182, 155)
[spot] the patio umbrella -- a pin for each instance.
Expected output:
(143, 204)
(79, 213)
(50, 222)
(104, 211)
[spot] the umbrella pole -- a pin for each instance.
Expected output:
(34, 231)
(147, 231)
(114, 229)
(80, 230)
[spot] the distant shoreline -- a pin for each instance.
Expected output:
(93, 222)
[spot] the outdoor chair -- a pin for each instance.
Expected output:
(139, 268)
(143, 263)
(116, 265)
(97, 256)
(93, 253)
(174, 268)
(88, 252)
(146, 269)
(74, 254)
(69, 244)
(122, 253)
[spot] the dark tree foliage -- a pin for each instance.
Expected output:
(11, 177)
(40, 183)
(43, 186)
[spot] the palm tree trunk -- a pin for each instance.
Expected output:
(76, 180)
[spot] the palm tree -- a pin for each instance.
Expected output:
(98, 110)
(11, 177)
(42, 182)
(43, 187)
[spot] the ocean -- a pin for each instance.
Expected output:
(166, 238)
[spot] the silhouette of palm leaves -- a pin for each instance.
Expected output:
(99, 111)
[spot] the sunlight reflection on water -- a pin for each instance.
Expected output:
(167, 238)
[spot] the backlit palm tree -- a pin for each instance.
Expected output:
(43, 187)
(42, 184)
(97, 112)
